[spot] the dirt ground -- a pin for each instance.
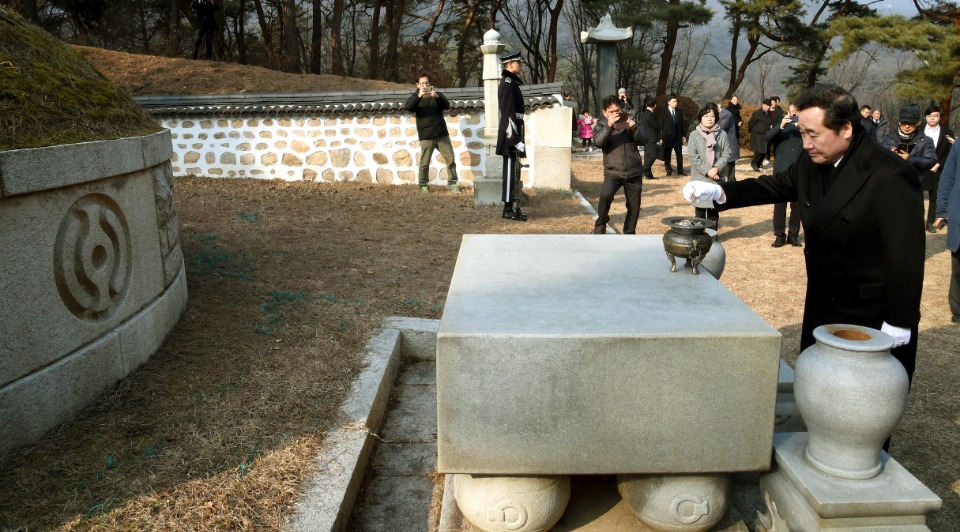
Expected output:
(288, 281)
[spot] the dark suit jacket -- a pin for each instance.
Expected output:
(932, 179)
(650, 125)
(671, 132)
(864, 237)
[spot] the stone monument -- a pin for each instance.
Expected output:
(487, 189)
(606, 36)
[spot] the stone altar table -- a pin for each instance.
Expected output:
(573, 354)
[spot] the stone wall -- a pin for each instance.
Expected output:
(93, 277)
(362, 146)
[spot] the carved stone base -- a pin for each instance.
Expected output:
(800, 497)
(688, 503)
(518, 504)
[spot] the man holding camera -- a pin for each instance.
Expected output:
(428, 106)
(618, 137)
(909, 142)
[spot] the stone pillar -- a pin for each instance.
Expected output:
(606, 36)
(488, 188)
(606, 73)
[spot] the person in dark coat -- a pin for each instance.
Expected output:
(881, 126)
(759, 125)
(868, 124)
(734, 107)
(626, 104)
(510, 133)
(948, 212)
(206, 12)
(909, 142)
(619, 138)
(942, 139)
(787, 144)
(728, 124)
(428, 106)
(673, 134)
(861, 207)
(651, 129)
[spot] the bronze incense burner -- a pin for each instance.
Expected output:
(687, 238)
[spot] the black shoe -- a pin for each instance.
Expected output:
(669, 172)
(755, 169)
(779, 242)
(681, 173)
(956, 319)
(599, 230)
(794, 241)
(515, 215)
(931, 228)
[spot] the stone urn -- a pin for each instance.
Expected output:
(687, 238)
(851, 393)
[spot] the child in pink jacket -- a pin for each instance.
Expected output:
(586, 123)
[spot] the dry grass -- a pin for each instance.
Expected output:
(287, 283)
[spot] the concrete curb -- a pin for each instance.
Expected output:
(329, 497)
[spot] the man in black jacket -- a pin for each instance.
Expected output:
(510, 133)
(206, 11)
(861, 207)
(428, 105)
(618, 137)
(651, 129)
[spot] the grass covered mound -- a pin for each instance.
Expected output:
(50, 95)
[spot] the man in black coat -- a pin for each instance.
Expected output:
(510, 133)
(787, 144)
(428, 106)
(673, 134)
(943, 140)
(206, 11)
(650, 127)
(862, 212)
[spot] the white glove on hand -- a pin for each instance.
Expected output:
(900, 336)
(520, 147)
(702, 191)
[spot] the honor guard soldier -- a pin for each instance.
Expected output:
(510, 135)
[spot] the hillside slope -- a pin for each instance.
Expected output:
(143, 75)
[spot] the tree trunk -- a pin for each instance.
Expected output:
(241, 33)
(470, 20)
(336, 46)
(667, 57)
(265, 31)
(316, 39)
(28, 9)
(393, 42)
(291, 37)
(374, 66)
(552, 41)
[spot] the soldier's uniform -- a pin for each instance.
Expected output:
(510, 136)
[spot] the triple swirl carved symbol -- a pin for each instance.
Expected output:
(92, 257)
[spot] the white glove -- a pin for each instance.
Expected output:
(520, 147)
(702, 191)
(900, 336)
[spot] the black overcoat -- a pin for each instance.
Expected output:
(865, 237)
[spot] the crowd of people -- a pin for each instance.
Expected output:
(852, 182)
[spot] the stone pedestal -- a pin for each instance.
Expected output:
(800, 497)
(572, 354)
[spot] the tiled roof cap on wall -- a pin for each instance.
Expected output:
(388, 101)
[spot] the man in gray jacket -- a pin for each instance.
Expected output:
(618, 137)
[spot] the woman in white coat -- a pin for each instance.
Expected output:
(709, 152)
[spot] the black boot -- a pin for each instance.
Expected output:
(514, 213)
(794, 241)
(779, 242)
